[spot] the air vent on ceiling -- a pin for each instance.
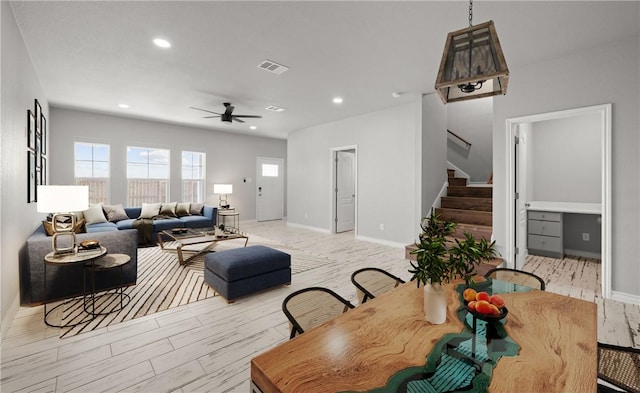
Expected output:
(272, 66)
(274, 108)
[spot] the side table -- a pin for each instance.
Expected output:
(62, 260)
(110, 261)
(230, 212)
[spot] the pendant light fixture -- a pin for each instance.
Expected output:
(472, 65)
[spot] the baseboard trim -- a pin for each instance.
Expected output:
(382, 241)
(625, 298)
(315, 229)
(9, 316)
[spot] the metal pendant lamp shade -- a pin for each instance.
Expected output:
(473, 65)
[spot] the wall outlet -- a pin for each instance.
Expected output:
(382, 227)
(585, 237)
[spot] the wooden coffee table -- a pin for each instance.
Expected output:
(191, 237)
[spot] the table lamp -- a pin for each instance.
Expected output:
(62, 201)
(223, 190)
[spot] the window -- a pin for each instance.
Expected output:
(269, 170)
(147, 175)
(91, 169)
(193, 164)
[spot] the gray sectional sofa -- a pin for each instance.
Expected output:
(118, 237)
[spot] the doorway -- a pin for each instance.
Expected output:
(269, 189)
(518, 157)
(343, 189)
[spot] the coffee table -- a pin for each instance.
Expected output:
(191, 237)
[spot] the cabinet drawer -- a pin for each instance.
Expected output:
(547, 228)
(544, 243)
(545, 216)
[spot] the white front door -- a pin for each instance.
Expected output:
(345, 191)
(269, 189)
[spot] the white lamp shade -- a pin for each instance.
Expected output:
(222, 188)
(59, 199)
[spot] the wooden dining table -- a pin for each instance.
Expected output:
(364, 347)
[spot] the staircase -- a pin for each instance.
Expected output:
(469, 207)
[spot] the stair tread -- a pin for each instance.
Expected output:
(448, 209)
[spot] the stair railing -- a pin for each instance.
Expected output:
(458, 137)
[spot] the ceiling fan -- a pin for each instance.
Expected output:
(228, 115)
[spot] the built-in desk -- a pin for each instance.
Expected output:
(555, 228)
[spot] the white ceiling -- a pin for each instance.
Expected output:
(95, 55)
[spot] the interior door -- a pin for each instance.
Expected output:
(269, 189)
(345, 191)
(521, 202)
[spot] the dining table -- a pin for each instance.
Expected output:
(546, 343)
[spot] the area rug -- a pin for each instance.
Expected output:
(164, 284)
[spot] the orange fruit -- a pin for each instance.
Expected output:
(471, 305)
(483, 307)
(469, 294)
(483, 296)
(497, 300)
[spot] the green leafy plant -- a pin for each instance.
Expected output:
(438, 260)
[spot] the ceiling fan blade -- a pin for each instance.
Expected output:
(250, 116)
(205, 110)
(238, 120)
(211, 117)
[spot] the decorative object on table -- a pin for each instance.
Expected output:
(472, 65)
(223, 190)
(440, 259)
(62, 200)
(89, 244)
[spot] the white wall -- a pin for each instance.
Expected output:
(566, 158)
(434, 155)
(473, 121)
(387, 189)
(18, 219)
(230, 158)
(608, 73)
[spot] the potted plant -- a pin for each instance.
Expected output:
(439, 260)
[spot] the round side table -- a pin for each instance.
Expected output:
(61, 260)
(108, 262)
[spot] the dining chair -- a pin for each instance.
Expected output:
(371, 282)
(310, 307)
(619, 366)
(519, 277)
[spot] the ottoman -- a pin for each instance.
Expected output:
(243, 271)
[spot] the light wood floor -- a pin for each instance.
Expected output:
(207, 345)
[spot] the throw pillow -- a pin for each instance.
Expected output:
(196, 209)
(150, 210)
(182, 209)
(115, 213)
(168, 209)
(94, 215)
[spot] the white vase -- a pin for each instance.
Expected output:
(435, 303)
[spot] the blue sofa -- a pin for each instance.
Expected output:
(119, 238)
(206, 220)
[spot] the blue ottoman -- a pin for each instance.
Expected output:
(243, 271)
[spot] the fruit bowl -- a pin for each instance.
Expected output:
(489, 317)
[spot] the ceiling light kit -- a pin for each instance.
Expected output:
(162, 43)
(472, 65)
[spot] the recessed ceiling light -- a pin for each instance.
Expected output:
(253, 127)
(274, 108)
(337, 100)
(162, 43)
(124, 106)
(396, 94)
